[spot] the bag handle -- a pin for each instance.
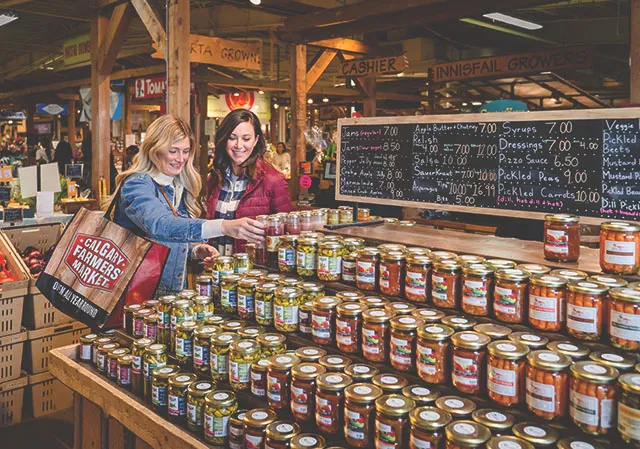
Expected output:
(114, 200)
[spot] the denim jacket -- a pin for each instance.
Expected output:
(143, 210)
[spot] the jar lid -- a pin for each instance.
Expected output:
(625, 294)
(326, 302)
(266, 287)
(435, 332)
(224, 339)
(167, 299)
(377, 315)
(400, 308)
(500, 264)
(332, 238)
(125, 359)
(311, 287)
(470, 340)
(250, 332)
(369, 251)
(592, 288)
(283, 430)
(224, 260)
(187, 326)
(394, 405)
(156, 348)
(245, 346)
(290, 282)
(619, 226)
(438, 256)
(511, 274)
(215, 320)
(248, 282)
(306, 306)
(350, 296)
(182, 379)
(448, 265)
(456, 405)
(200, 388)
(241, 256)
(257, 273)
(470, 259)
(282, 362)
(534, 341)
(390, 382)
(333, 381)
(569, 275)
(429, 315)
(388, 247)
(114, 354)
(220, 398)
(430, 418)
(181, 304)
(594, 372)
(113, 345)
(533, 268)
(406, 323)
(274, 277)
(354, 241)
(330, 244)
(536, 434)
(494, 419)
(576, 351)
(609, 281)
(307, 441)
(233, 325)
(509, 350)
(133, 307)
(288, 292)
(139, 343)
(417, 251)
(201, 299)
(334, 362)
(419, 259)
(231, 278)
(562, 218)
(89, 338)
(621, 362)
(140, 313)
(260, 365)
(361, 372)
(549, 360)
(271, 339)
(420, 394)
(494, 331)
(310, 353)
(459, 323)
(393, 256)
(307, 370)
(363, 392)
(467, 433)
(548, 280)
(151, 318)
(630, 382)
(351, 309)
(577, 443)
(374, 302)
(477, 269)
(237, 418)
(508, 442)
(260, 417)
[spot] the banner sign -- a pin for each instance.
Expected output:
(378, 66)
(256, 103)
(115, 104)
(153, 87)
(77, 50)
(52, 109)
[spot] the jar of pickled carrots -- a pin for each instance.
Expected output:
(506, 372)
(619, 247)
(624, 318)
(547, 302)
(548, 384)
(585, 310)
(592, 394)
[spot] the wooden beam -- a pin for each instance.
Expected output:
(10, 3)
(128, 99)
(151, 23)
(69, 97)
(202, 140)
(145, 107)
(318, 68)
(370, 103)
(345, 45)
(298, 74)
(118, 25)
(178, 54)
(99, 4)
(634, 52)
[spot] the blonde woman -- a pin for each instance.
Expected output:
(158, 198)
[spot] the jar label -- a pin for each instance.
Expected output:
(286, 257)
(417, 443)
(264, 310)
(239, 372)
(416, 284)
(184, 347)
(509, 445)
(543, 308)
(505, 300)
(474, 293)
(245, 304)
(344, 333)
(219, 363)
(164, 320)
(496, 417)
(85, 352)
(454, 403)
(426, 359)
(580, 445)
(366, 272)
(299, 400)
(541, 396)
(385, 276)
(362, 390)
(306, 261)
(272, 243)
(200, 355)
(176, 405)
(228, 298)
(354, 425)
(612, 357)
(252, 442)
(274, 389)
(257, 384)
(501, 381)
(286, 315)
(465, 371)
(439, 288)
(400, 352)
(464, 428)
(329, 265)
(584, 409)
(324, 412)
(371, 342)
(194, 415)
(629, 421)
(620, 253)
(348, 271)
(386, 436)
(625, 326)
(320, 327)
(216, 427)
(556, 242)
(124, 375)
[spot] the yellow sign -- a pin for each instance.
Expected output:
(224, 52)
(77, 50)
(5, 174)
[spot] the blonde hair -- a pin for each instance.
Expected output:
(161, 135)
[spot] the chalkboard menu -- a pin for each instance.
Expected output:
(582, 165)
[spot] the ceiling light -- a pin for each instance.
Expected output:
(7, 17)
(255, 2)
(513, 21)
(50, 68)
(310, 101)
(465, 104)
(325, 100)
(261, 92)
(400, 75)
(476, 103)
(10, 122)
(276, 105)
(236, 94)
(545, 73)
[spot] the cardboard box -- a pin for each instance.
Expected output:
(41, 341)
(39, 313)
(11, 315)
(48, 395)
(11, 400)
(11, 355)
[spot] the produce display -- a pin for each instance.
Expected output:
(33, 258)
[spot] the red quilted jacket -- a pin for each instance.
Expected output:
(267, 193)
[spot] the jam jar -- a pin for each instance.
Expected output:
(532, 340)
(241, 355)
(390, 383)
(368, 269)
(459, 323)
(348, 326)
(629, 409)
(286, 304)
(127, 316)
(310, 354)
(323, 320)
(287, 253)
(547, 302)
(592, 395)
(575, 351)
(361, 372)
(330, 261)
(624, 318)
(427, 428)
(417, 281)
(255, 426)
(458, 407)
(420, 395)
(330, 401)
(511, 295)
(433, 353)
(468, 361)
(218, 407)
(236, 429)
(349, 267)
(445, 284)
(619, 247)
(265, 294)
(392, 421)
(496, 421)
(400, 308)
(307, 441)
(279, 380)
(402, 342)
(561, 237)
(429, 316)
(548, 384)
(477, 289)
(494, 331)
(280, 433)
(303, 390)
(417, 250)
(334, 363)
(350, 296)
(177, 396)
(258, 377)
(506, 375)
(622, 362)
(359, 414)
(229, 293)
(306, 256)
(375, 334)
(196, 393)
(540, 435)
(466, 435)
(392, 267)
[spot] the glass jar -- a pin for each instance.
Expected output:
(232, 325)
(196, 393)
(242, 263)
(177, 396)
(375, 334)
(506, 372)
(459, 323)
(539, 435)
(292, 225)
(275, 230)
(359, 414)
(548, 384)
(569, 275)
(304, 318)
(364, 214)
(349, 267)
(272, 344)
(374, 302)
(151, 326)
(202, 347)
(137, 351)
(578, 443)
(219, 361)
(368, 269)
(511, 296)
(137, 330)
(458, 407)
(402, 342)
(334, 217)
(323, 320)
(494, 331)
(532, 268)
(547, 302)
(255, 426)
(496, 421)
(507, 441)
(204, 286)
(585, 304)
(420, 395)
(624, 318)
(353, 244)
(310, 354)
(390, 383)
(574, 351)
(400, 308)
(334, 363)
(279, 380)
(477, 289)
(429, 316)
(392, 421)
(181, 310)
(433, 353)
(214, 320)
(236, 429)
(466, 435)
(533, 341)
(311, 290)
(286, 303)
(346, 215)
(154, 356)
(500, 264)
(470, 259)
(184, 341)
(218, 407)
(306, 224)
(223, 266)
(349, 326)
(350, 296)
(246, 297)
(445, 284)
(609, 282)
(468, 361)
(392, 273)
(264, 298)
(427, 428)
(361, 372)
(202, 307)
(112, 362)
(629, 409)
(242, 354)
(306, 256)
(280, 433)
(439, 256)
(160, 388)
(127, 316)
(592, 394)
(258, 375)
(85, 349)
(330, 261)
(229, 293)
(303, 390)
(287, 254)
(330, 401)
(124, 371)
(387, 247)
(561, 237)
(307, 441)
(622, 362)
(619, 247)
(187, 294)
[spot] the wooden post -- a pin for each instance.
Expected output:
(178, 49)
(100, 110)
(273, 125)
(202, 140)
(369, 88)
(71, 124)
(128, 100)
(634, 52)
(298, 111)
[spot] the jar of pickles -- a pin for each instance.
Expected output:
(375, 334)
(280, 433)
(548, 384)
(218, 408)
(359, 414)
(511, 296)
(629, 409)
(330, 401)
(349, 267)
(330, 261)
(255, 426)
(547, 302)
(181, 310)
(164, 319)
(196, 393)
(223, 266)
(311, 290)
(392, 421)
(323, 320)
(177, 396)
(592, 393)
(287, 254)
(446, 284)
(160, 387)
(392, 273)
(306, 256)
(506, 372)
(466, 435)
(202, 347)
(137, 351)
(368, 269)
(427, 427)
(264, 298)
(184, 341)
(477, 289)
(246, 297)
(275, 230)
(303, 390)
(229, 293)
(203, 307)
(219, 361)
(286, 303)
(624, 318)
(561, 237)
(346, 214)
(154, 356)
(585, 304)
(619, 247)
(433, 353)
(402, 342)
(124, 371)
(279, 380)
(349, 326)
(468, 362)
(242, 354)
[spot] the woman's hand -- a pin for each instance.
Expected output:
(206, 253)
(244, 229)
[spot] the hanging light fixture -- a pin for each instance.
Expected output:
(255, 2)
(310, 101)
(325, 100)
